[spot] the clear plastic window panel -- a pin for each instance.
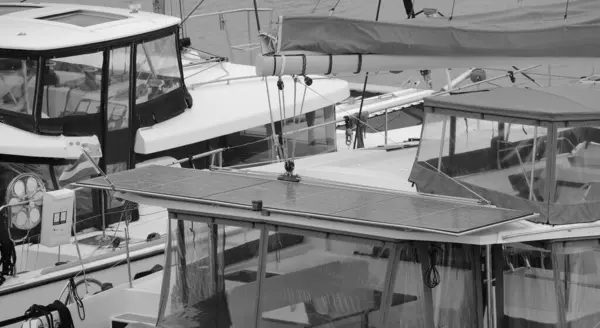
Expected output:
(552, 284)
(157, 68)
(302, 136)
(209, 264)
(72, 86)
(322, 282)
(17, 85)
(497, 156)
(577, 166)
(118, 89)
(435, 286)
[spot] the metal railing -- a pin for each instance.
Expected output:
(249, 46)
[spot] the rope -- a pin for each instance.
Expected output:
(282, 116)
(274, 135)
(73, 294)
(308, 81)
(362, 99)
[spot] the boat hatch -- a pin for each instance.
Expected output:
(9, 9)
(342, 205)
(84, 18)
(535, 150)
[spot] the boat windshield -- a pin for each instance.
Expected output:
(17, 85)
(157, 68)
(71, 84)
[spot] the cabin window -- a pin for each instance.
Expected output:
(217, 265)
(17, 85)
(157, 67)
(118, 89)
(72, 86)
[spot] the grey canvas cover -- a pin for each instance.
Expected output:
(537, 32)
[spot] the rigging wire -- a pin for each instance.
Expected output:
(362, 99)
(334, 7)
(181, 11)
(452, 12)
(297, 118)
(315, 8)
(256, 15)
(191, 12)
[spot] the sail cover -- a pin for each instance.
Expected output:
(534, 32)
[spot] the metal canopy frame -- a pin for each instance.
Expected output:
(391, 262)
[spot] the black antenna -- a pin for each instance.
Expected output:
(566, 9)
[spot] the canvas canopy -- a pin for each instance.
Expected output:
(548, 104)
(528, 149)
(534, 32)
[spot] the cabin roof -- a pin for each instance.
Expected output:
(335, 205)
(549, 104)
(36, 27)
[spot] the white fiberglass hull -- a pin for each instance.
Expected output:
(45, 288)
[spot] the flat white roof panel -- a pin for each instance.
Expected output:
(32, 29)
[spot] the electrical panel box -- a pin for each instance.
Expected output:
(57, 217)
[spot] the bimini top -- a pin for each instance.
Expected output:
(48, 26)
(349, 206)
(549, 104)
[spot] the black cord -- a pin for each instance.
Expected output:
(432, 276)
(38, 311)
(73, 294)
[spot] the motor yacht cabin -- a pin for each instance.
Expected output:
(125, 77)
(534, 149)
(249, 250)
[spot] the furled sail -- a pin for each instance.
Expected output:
(538, 34)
